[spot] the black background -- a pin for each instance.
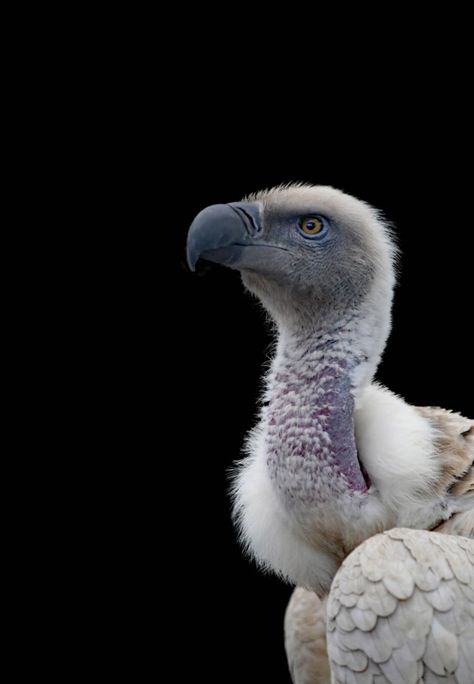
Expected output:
(232, 612)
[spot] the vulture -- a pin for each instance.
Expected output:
(363, 502)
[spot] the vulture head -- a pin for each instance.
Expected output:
(334, 458)
(306, 252)
(314, 256)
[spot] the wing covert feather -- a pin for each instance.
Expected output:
(410, 616)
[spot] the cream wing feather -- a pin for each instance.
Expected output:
(305, 638)
(401, 611)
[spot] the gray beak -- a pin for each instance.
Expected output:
(221, 232)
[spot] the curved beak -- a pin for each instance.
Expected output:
(221, 232)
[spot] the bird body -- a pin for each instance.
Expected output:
(335, 458)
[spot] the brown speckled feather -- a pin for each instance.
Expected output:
(455, 446)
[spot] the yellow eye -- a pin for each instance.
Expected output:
(311, 225)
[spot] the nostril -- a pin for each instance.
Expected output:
(245, 218)
(256, 226)
(251, 223)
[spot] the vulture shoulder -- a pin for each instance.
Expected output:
(454, 446)
(401, 609)
(420, 460)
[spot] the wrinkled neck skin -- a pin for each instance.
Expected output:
(311, 449)
(323, 362)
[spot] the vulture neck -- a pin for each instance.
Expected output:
(313, 387)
